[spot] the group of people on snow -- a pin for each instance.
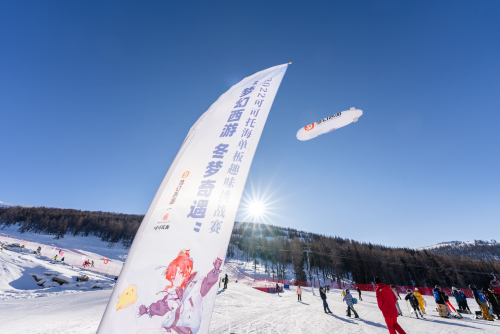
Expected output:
(388, 296)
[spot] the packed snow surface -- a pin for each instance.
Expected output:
(25, 307)
(239, 309)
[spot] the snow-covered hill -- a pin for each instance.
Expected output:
(24, 274)
(27, 308)
(7, 205)
(458, 244)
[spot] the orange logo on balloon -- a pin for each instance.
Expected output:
(186, 174)
(309, 127)
(166, 216)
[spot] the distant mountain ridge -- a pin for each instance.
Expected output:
(477, 249)
(457, 243)
(8, 205)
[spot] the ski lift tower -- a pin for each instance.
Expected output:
(307, 250)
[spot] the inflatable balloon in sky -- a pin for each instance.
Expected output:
(329, 124)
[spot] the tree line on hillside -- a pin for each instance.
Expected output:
(109, 227)
(336, 259)
(331, 258)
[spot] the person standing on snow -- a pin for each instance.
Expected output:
(440, 299)
(278, 289)
(359, 292)
(299, 294)
(481, 301)
(494, 301)
(464, 297)
(226, 280)
(386, 300)
(350, 304)
(323, 297)
(413, 302)
(420, 299)
(343, 293)
(458, 298)
(393, 288)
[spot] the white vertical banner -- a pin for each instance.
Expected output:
(168, 282)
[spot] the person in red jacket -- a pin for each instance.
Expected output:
(386, 300)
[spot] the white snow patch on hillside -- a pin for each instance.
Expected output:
(26, 275)
(456, 244)
(90, 244)
(8, 205)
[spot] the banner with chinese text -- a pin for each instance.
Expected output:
(168, 282)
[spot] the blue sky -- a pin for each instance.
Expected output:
(97, 97)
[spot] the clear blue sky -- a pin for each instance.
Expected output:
(96, 98)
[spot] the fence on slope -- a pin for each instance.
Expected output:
(271, 282)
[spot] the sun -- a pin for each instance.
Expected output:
(256, 208)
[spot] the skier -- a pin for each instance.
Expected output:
(92, 263)
(278, 289)
(323, 297)
(328, 288)
(350, 304)
(386, 300)
(439, 297)
(481, 301)
(226, 280)
(494, 301)
(393, 288)
(464, 298)
(62, 260)
(55, 257)
(343, 293)
(359, 292)
(299, 294)
(413, 302)
(421, 300)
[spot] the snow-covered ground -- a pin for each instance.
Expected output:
(25, 275)
(89, 244)
(239, 309)
(26, 307)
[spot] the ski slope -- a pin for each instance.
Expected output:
(72, 308)
(239, 309)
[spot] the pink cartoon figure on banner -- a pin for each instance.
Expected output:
(182, 305)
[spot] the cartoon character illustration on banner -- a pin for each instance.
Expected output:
(182, 305)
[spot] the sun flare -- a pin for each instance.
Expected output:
(256, 209)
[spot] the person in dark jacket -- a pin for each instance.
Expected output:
(413, 302)
(226, 280)
(481, 301)
(494, 301)
(464, 298)
(386, 300)
(440, 299)
(278, 288)
(359, 292)
(323, 297)
(458, 297)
